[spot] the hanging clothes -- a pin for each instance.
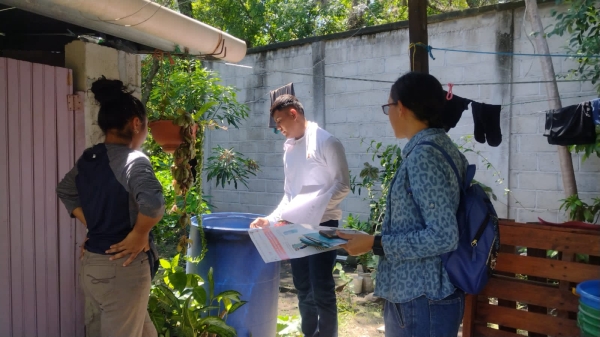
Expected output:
(286, 89)
(596, 110)
(486, 118)
(573, 125)
(453, 110)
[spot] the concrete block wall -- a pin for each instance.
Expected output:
(351, 109)
(89, 61)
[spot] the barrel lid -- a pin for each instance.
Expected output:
(235, 222)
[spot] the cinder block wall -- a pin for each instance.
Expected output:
(350, 109)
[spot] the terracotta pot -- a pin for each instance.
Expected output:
(168, 135)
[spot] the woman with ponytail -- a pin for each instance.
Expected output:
(113, 191)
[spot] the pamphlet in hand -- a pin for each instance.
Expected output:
(294, 241)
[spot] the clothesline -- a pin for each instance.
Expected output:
(430, 48)
(267, 71)
(260, 99)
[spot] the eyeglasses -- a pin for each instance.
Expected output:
(386, 108)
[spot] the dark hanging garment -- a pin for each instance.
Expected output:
(596, 110)
(286, 89)
(573, 125)
(453, 110)
(486, 118)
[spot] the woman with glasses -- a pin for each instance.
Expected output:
(420, 218)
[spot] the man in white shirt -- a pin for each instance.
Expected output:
(312, 157)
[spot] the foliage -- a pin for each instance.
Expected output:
(344, 299)
(377, 181)
(183, 177)
(579, 210)
(582, 22)
(367, 260)
(166, 233)
(262, 22)
(188, 93)
(179, 304)
(289, 326)
(227, 165)
(183, 84)
(588, 149)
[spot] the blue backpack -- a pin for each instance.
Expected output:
(472, 263)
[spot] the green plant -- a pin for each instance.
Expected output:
(227, 165)
(183, 84)
(377, 181)
(579, 210)
(192, 97)
(354, 222)
(367, 260)
(344, 299)
(179, 304)
(582, 22)
(182, 174)
(289, 326)
(166, 233)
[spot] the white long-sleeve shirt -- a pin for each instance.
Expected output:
(319, 159)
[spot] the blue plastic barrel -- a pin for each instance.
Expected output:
(237, 265)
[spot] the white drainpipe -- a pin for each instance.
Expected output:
(141, 21)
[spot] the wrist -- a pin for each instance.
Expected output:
(377, 247)
(141, 231)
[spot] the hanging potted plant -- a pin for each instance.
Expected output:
(170, 105)
(183, 100)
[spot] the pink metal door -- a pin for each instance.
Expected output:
(39, 139)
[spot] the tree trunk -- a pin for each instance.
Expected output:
(566, 162)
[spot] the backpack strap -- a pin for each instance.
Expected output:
(470, 169)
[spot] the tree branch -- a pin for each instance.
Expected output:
(148, 80)
(246, 10)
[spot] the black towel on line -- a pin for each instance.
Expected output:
(453, 110)
(286, 89)
(486, 118)
(572, 125)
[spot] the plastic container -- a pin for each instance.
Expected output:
(589, 311)
(357, 284)
(588, 326)
(237, 265)
(589, 293)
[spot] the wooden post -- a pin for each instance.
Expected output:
(417, 33)
(564, 156)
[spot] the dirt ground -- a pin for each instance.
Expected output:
(358, 316)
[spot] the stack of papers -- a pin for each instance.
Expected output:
(293, 241)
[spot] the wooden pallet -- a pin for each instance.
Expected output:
(530, 292)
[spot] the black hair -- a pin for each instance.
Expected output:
(117, 106)
(423, 95)
(285, 101)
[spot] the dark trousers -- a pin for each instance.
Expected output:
(313, 278)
